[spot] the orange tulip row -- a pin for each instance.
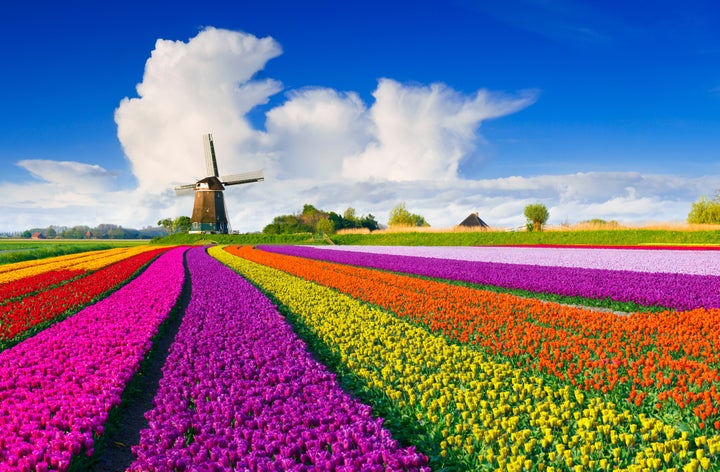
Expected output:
(649, 359)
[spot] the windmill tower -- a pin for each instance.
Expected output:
(209, 214)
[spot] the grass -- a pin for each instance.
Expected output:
(611, 237)
(609, 234)
(247, 239)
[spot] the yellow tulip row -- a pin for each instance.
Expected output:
(87, 261)
(476, 413)
(16, 266)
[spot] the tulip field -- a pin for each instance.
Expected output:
(367, 358)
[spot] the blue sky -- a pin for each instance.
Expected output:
(598, 109)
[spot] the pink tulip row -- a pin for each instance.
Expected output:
(57, 388)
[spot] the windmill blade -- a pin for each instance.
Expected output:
(185, 189)
(210, 160)
(244, 178)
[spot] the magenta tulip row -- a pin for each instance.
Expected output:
(672, 290)
(671, 261)
(241, 392)
(57, 388)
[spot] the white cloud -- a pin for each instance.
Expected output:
(321, 146)
(189, 89)
(311, 133)
(70, 176)
(423, 132)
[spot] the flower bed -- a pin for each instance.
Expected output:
(673, 260)
(21, 315)
(57, 388)
(671, 290)
(36, 283)
(56, 270)
(472, 412)
(241, 392)
(660, 361)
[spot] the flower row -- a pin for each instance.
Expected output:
(637, 259)
(678, 291)
(82, 261)
(21, 315)
(470, 412)
(36, 283)
(55, 395)
(649, 359)
(35, 264)
(241, 392)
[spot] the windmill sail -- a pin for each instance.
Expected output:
(185, 189)
(210, 160)
(244, 178)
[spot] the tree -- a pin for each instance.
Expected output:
(287, 224)
(166, 223)
(705, 211)
(27, 234)
(369, 222)
(400, 216)
(181, 224)
(537, 215)
(324, 226)
(51, 233)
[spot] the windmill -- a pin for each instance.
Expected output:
(209, 214)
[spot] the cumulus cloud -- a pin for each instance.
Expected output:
(189, 89)
(424, 132)
(314, 131)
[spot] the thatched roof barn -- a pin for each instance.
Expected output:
(473, 221)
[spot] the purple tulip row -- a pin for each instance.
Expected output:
(678, 291)
(676, 261)
(57, 388)
(241, 392)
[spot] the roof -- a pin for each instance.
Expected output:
(474, 220)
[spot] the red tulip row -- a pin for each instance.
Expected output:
(21, 315)
(36, 283)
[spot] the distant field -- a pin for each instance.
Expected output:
(24, 250)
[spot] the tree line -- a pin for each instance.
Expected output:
(101, 231)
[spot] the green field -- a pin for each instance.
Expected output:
(622, 237)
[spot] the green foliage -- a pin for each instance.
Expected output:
(51, 233)
(324, 226)
(350, 220)
(313, 220)
(181, 224)
(537, 215)
(26, 234)
(287, 224)
(166, 223)
(400, 216)
(705, 211)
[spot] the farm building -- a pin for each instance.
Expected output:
(473, 221)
